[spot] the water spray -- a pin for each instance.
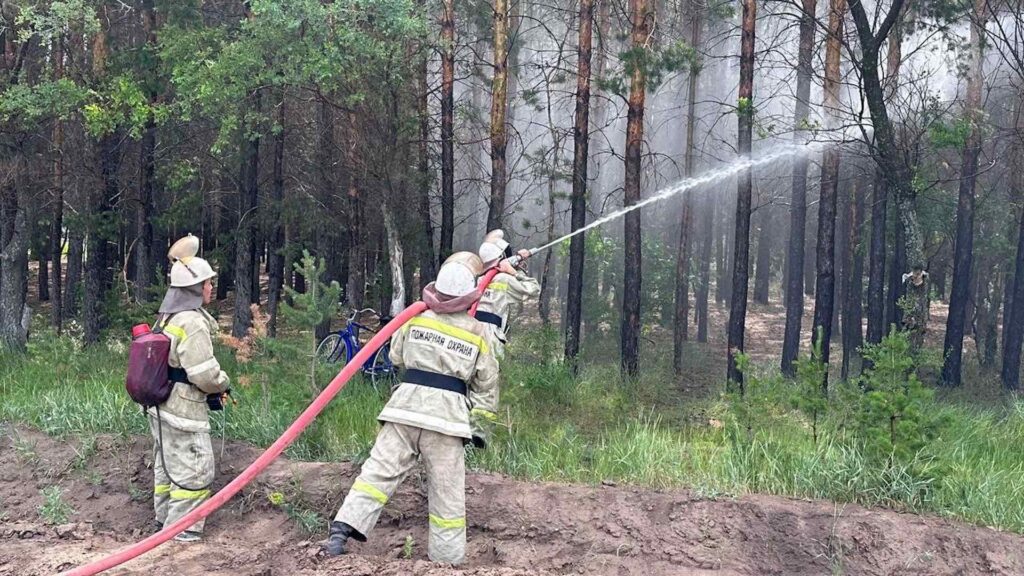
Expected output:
(733, 169)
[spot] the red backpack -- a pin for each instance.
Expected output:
(147, 382)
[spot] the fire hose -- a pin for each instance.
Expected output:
(260, 464)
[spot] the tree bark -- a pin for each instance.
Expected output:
(640, 14)
(144, 210)
(426, 251)
(14, 244)
(763, 270)
(395, 257)
(681, 319)
(447, 129)
(578, 217)
(741, 249)
(853, 335)
(275, 260)
(704, 285)
(57, 218)
(248, 196)
(499, 110)
(798, 204)
(876, 272)
(545, 279)
(963, 246)
(101, 232)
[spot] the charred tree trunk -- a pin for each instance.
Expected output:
(853, 335)
(763, 270)
(248, 196)
(876, 272)
(578, 217)
(798, 205)
(964, 243)
(545, 279)
(447, 129)
(1013, 325)
(275, 259)
(824, 292)
(704, 284)
(499, 110)
(681, 319)
(143, 252)
(640, 14)
(427, 257)
(102, 230)
(741, 241)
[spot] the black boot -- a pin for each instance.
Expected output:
(336, 539)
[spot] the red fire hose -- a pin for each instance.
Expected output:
(275, 450)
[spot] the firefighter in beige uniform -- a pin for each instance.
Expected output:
(510, 286)
(450, 382)
(181, 425)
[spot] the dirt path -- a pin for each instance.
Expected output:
(515, 528)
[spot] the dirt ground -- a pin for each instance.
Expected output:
(515, 528)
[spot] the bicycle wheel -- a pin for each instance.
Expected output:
(383, 374)
(331, 349)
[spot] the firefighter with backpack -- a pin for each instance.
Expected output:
(183, 466)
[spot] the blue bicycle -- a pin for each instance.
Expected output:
(343, 345)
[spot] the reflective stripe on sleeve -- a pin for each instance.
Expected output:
(499, 286)
(370, 491)
(177, 332)
(161, 489)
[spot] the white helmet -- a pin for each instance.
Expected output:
(190, 271)
(493, 247)
(187, 269)
(458, 274)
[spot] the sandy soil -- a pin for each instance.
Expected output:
(515, 528)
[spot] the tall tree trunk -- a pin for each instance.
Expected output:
(707, 235)
(248, 196)
(876, 272)
(143, 252)
(395, 257)
(98, 273)
(275, 260)
(763, 270)
(964, 243)
(798, 204)
(42, 250)
(681, 319)
(824, 292)
(426, 251)
(640, 15)
(545, 279)
(897, 263)
(578, 217)
(897, 173)
(14, 244)
(499, 109)
(720, 267)
(57, 218)
(1013, 324)
(1017, 200)
(447, 129)
(741, 241)
(853, 335)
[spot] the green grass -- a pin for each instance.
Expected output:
(54, 510)
(588, 429)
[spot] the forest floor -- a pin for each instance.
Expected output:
(514, 527)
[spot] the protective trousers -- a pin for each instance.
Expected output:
(189, 459)
(394, 454)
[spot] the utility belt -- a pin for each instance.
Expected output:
(489, 318)
(435, 380)
(213, 401)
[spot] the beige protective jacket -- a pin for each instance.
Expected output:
(191, 333)
(504, 291)
(453, 345)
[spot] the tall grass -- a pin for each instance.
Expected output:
(590, 428)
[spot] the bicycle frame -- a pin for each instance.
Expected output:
(350, 337)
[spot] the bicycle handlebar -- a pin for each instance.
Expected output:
(356, 313)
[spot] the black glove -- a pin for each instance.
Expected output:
(216, 401)
(479, 442)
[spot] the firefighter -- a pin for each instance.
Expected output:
(510, 286)
(183, 465)
(449, 390)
